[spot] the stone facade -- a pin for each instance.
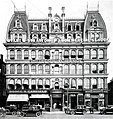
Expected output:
(57, 61)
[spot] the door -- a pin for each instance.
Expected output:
(57, 103)
(95, 103)
(73, 102)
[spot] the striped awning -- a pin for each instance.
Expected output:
(17, 98)
(39, 96)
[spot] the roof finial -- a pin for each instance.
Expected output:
(98, 6)
(87, 6)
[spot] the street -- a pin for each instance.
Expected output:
(62, 115)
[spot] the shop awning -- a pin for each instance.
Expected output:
(17, 98)
(39, 96)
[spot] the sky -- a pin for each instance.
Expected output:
(73, 9)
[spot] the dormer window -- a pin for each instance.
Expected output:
(44, 27)
(95, 23)
(18, 23)
(77, 27)
(69, 27)
(35, 27)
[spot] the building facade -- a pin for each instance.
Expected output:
(57, 61)
(3, 95)
(110, 92)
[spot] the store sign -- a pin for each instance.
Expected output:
(57, 95)
(28, 91)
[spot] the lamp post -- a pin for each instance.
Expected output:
(67, 94)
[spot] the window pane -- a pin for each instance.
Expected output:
(40, 68)
(101, 54)
(100, 83)
(86, 83)
(12, 69)
(12, 54)
(72, 69)
(40, 55)
(19, 54)
(86, 54)
(26, 69)
(33, 54)
(26, 54)
(33, 69)
(19, 69)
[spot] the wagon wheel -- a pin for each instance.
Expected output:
(72, 112)
(23, 114)
(1, 114)
(37, 114)
(14, 113)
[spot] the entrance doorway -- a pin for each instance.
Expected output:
(73, 102)
(57, 104)
(95, 103)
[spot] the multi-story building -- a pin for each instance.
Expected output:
(3, 95)
(57, 61)
(110, 92)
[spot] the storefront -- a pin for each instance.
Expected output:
(17, 99)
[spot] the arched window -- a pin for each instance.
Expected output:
(95, 23)
(11, 84)
(79, 83)
(92, 37)
(40, 83)
(47, 69)
(47, 83)
(35, 27)
(56, 54)
(86, 69)
(73, 83)
(18, 23)
(66, 83)
(33, 84)
(100, 83)
(40, 55)
(101, 68)
(101, 54)
(66, 54)
(66, 69)
(40, 69)
(97, 36)
(86, 83)
(94, 68)
(79, 69)
(93, 54)
(12, 69)
(26, 69)
(25, 84)
(69, 27)
(73, 54)
(18, 84)
(33, 54)
(33, 69)
(56, 69)
(19, 54)
(80, 54)
(94, 83)
(47, 54)
(72, 69)
(26, 54)
(12, 54)
(19, 69)
(87, 54)
(77, 27)
(20, 37)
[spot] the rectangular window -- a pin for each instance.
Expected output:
(33, 69)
